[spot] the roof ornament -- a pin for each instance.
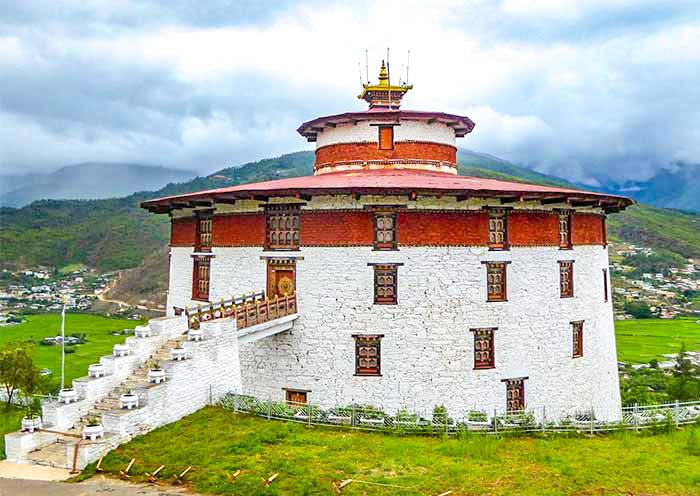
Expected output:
(384, 95)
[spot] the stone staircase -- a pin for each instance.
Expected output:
(212, 369)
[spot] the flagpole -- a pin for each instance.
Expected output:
(63, 343)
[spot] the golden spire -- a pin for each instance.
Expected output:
(384, 95)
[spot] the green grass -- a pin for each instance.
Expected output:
(97, 330)
(71, 268)
(217, 442)
(10, 420)
(638, 341)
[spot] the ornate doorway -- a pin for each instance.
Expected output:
(281, 277)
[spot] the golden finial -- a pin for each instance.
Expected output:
(383, 75)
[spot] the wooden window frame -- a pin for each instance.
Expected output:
(387, 129)
(577, 339)
(380, 231)
(496, 216)
(565, 241)
(198, 262)
(274, 214)
(566, 267)
(481, 335)
(384, 270)
(289, 392)
(492, 269)
(204, 232)
(364, 341)
(606, 291)
(516, 384)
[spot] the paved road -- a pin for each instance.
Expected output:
(100, 486)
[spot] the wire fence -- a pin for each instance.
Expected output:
(440, 421)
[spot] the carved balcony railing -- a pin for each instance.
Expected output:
(248, 310)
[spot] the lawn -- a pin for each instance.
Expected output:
(217, 442)
(10, 421)
(638, 341)
(98, 334)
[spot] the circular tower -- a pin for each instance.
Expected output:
(416, 287)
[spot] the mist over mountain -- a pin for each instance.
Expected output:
(87, 181)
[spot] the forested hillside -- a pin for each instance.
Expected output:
(117, 234)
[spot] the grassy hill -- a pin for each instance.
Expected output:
(116, 234)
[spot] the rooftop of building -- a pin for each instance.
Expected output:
(392, 181)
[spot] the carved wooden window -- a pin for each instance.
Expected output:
(498, 229)
(386, 137)
(295, 397)
(515, 394)
(282, 227)
(385, 284)
(204, 233)
(385, 231)
(565, 230)
(496, 286)
(368, 355)
(577, 331)
(200, 283)
(566, 278)
(483, 348)
(605, 285)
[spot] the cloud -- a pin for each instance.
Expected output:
(588, 90)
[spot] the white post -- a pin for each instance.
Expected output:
(676, 413)
(544, 418)
(63, 343)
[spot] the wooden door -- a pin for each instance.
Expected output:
(281, 277)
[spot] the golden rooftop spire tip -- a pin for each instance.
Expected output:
(384, 95)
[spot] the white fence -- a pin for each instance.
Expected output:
(440, 421)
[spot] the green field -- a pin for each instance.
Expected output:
(638, 341)
(97, 330)
(217, 442)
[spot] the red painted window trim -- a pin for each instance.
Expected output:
(484, 359)
(577, 339)
(367, 349)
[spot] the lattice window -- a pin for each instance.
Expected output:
(515, 394)
(566, 278)
(484, 357)
(496, 286)
(295, 397)
(565, 230)
(282, 227)
(200, 283)
(204, 233)
(385, 231)
(577, 331)
(386, 137)
(385, 284)
(368, 355)
(605, 285)
(498, 229)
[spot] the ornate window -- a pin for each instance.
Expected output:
(282, 227)
(515, 394)
(203, 239)
(577, 331)
(565, 230)
(498, 229)
(385, 231)
(295, 397)
(386, 137)
(605, 285)
(200, 283)
(483, 348)
(385, 284)
(367, 354)
(496, 288)
(566, 278)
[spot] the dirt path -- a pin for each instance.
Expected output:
(96, 485)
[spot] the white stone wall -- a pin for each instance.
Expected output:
(427, 349)
(436, 132)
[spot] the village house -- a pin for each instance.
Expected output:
(415, 286)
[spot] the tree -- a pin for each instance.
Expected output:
(17, 370)
(685, 384)
(638, 309)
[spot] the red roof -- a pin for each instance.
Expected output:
(461, 124)
(393, 181)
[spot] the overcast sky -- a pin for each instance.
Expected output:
(579, 89)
